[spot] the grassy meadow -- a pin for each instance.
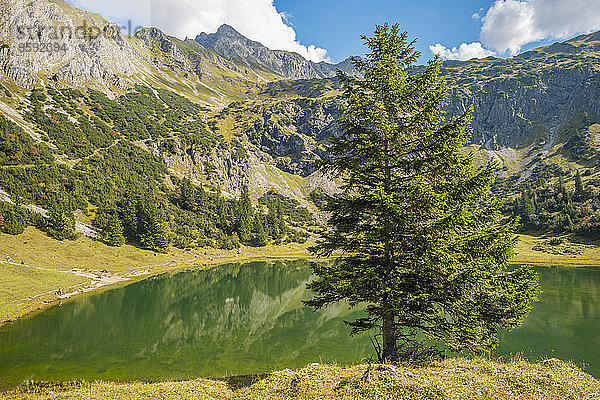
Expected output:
(49, 263)
(562, 250)
(457, 378)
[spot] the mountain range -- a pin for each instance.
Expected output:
(273, 110)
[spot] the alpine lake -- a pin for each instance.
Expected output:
(239, 319)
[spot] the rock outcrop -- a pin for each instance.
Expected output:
(529, 95)
(234, 46)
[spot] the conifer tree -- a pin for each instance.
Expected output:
(260, 237)
(187, 197)
(113, 232)
(423, 242)
(13, 219)
(569, 224)
(60, 223)
(580, 194)
(153, 232)
(245, 215)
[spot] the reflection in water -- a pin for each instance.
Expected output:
(565, 323)
(240, 319)
(234, 319)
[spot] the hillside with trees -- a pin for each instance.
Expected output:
(91, 158)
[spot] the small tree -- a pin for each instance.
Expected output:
(60, 223)
(580, 194)
(245, 214)
(260, 237)
(152, 228)
(113, 231)
(13, 219)
(424, 246)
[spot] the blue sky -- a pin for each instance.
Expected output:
(330, 29)
(338, 25)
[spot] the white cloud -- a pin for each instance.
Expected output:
(477, 15)
(258, 20)
(510, 24)
(465, 51)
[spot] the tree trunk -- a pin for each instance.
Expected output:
(389, 351)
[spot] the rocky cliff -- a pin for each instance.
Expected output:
(51, 41)
(526, 108)
(234, 46)
(529, 95)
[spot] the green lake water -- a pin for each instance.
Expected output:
(249, 318)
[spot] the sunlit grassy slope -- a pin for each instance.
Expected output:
(563, 250)
(17, 284)
(451, 379)
(49, 265)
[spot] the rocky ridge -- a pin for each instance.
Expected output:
(526, 108)
(232, 45)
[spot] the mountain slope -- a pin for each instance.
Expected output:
(537, 114)
(88, 51)
(232, 45)
(535, 91)
(524, 106)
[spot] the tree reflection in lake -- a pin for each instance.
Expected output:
(233, 319)
(565, 323)
(248, 318)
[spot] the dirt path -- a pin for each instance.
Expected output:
(96, 279)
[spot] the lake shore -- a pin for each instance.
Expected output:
(552, 250)
(455, 378)
(42, 272)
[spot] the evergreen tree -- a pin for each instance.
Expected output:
(569, 224)
(187, 197)
(13, 219)
(113, 232)
(60, 223)
(424, 246)
(260, 237)
(128, 216)
(245, 215)
(153, 232)
(580, 194)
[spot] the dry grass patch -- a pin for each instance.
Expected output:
(542, 250)
(457, 378)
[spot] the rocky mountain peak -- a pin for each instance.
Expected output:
(229, 31)
(231, 44)
(224, 32)
(112, 30)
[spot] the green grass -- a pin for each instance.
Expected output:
(17, 283)
(35, 248)
(35, 288)
(573, 251)
(457, 378)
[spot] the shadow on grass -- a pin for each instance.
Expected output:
(241, 381)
